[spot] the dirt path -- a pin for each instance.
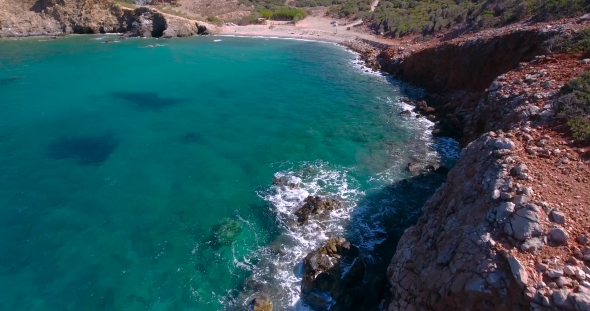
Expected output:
(374, 5)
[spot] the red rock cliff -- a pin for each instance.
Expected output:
(508, 230)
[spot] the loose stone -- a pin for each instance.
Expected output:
(554, 273)
(558, 236)
(558, 217)
(520, 199)
(569, 270)
(582, 239)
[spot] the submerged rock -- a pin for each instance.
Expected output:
(261, 303)
(225, 232)
(317, 206)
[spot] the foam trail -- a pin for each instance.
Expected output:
(277, 269)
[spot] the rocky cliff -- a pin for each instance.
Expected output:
(508, 230)
(19, 18)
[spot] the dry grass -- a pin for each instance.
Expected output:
(168, 10)
(125, 4)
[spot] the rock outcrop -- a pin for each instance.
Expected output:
(457, 72)
(261, 303)
(500, 233)
(332, 276)
(21, 18)
(321, 206)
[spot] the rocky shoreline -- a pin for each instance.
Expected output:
(50, 18)
(508, 230)
(498, 235)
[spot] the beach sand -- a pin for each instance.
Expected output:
(311, 28)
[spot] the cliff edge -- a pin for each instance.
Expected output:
(509, 228)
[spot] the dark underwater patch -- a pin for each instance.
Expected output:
(8, 80)
(191, 138)
(87, 150)
(147, 100)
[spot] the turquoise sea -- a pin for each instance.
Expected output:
(122, 164)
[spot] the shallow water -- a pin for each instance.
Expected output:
(119, 162)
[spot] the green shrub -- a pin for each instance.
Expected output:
(580, 127)
(214, 20)
(574, 106)
(581, 42)
(402, 17)
(266, 13)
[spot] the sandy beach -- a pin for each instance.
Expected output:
(311, 28)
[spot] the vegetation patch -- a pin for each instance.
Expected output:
(272, 9)
(398, 18)
(574, 106)
(125, 3)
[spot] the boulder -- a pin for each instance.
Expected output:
(503, 143)
(557, 217)
(317, 206)
(532, 245)
(414, 168)
(261, 303)
(518, 271)
(406, 113)
(504, 211)
(523, 225)
(335, 269)
(558, 236)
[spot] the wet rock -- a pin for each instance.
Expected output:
(406, 113)
(558, 236)
(414, 168)
(317, 206)
(261, 303)
(335, 268)
(285, 181)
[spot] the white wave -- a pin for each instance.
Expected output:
(268, 37)
(279, 265)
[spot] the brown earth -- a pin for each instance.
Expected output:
(509, 228)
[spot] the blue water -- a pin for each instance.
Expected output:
(119, 162)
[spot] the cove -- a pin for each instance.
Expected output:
(139, 174)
